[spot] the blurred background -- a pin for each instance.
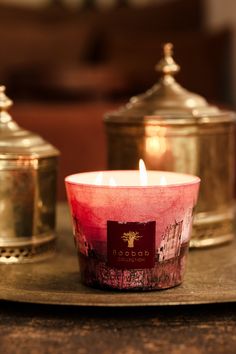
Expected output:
(67, 62)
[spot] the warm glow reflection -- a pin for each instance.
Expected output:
(155, 146)
(112, 182)
(99, 178)
(143, 173)
(163, 181)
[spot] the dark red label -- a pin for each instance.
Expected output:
(131, 245)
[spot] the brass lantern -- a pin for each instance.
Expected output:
(28, 174)
(173, 129)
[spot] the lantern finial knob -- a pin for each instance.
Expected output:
(168, 49)
(5, 102)
(167, 65)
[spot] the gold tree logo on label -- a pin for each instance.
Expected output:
(130, 237)
(131, 245)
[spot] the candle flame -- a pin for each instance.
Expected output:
(112, 182)
(99, 178)
(143, 173)
(163, 181)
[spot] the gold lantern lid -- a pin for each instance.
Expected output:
(167, 99)
(16, 142)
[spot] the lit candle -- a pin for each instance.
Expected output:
(132, 228)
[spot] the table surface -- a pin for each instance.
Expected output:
(52, 329)
(37, 328)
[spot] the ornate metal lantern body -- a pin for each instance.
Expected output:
(28, 171)
(173, 129)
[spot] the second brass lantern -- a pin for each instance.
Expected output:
(28, 175)
(173, 129)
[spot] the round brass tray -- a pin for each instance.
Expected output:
(210, 278)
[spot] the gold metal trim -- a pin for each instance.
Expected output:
(28, 251)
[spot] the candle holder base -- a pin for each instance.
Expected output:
(26, 251)
(213, 229)
(166, 274)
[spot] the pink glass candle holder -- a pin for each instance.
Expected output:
(130, 236)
